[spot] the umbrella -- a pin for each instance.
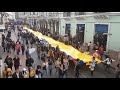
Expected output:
(32, 50)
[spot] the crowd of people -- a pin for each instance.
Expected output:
(51, 57)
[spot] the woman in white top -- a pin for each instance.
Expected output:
(45, 67)
(57, 65)
(66, 64)
(108, 63)
(92, 65)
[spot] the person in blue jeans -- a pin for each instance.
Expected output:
(45, 67)
(38, 72)
(50, 66)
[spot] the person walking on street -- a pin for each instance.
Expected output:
(66, 63)
(13, 46)
(17, 74)
(8, 47)
(89, 46)
(17, 46)
(108, 62)
(93, 62)
(4, 45)
(50, 66)
(77, 69)
(38, 72)
(8, 73)
(29, 63)
(45, 67)
(25, 73)
(27, 53)
(9, 62)
(96, 54)
(61, 71)
(16, 60)
(117, 70)
(4, 72)
(101, 51)
(57, 65)
(23, 49)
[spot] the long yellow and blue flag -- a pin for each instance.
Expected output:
(68, 49)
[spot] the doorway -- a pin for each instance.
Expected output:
(80, 32)
(100, 37)
(67, 29)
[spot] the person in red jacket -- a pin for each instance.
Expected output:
(17, 47)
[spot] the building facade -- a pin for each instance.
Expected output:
(91, 23)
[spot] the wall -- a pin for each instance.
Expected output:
(114, 42)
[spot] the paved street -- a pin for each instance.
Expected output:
(85, 72)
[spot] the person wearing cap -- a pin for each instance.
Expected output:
(8, 73)
(25, 73)
(96, 55)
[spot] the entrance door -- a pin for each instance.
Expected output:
(80, 32)
(100, 37)
(67, 29)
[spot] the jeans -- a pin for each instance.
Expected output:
(66, 71)
(45, 71)
(50, 69)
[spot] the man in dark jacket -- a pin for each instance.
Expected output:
(16, 60)
(9, 62)
(17, 74)
(29, 62)
(23, 49)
